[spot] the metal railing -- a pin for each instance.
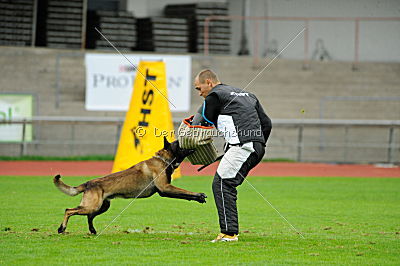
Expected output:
(390, 125)
(306, 21)
(63, 120)
(303, 137)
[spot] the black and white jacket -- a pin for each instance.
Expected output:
(238, 115)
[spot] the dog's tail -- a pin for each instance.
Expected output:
(71, 191)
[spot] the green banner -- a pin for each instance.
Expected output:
(15, 107)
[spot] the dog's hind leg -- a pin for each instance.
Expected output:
(103, 208)
(68, 213)
(91, 202)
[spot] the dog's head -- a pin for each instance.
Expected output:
(176, 153)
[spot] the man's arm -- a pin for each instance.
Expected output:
(266, 124)
(211, 109)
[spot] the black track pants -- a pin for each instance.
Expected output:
(233, 168)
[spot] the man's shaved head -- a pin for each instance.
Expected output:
(207, 74)
(205, 81)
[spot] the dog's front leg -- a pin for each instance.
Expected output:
(165, 189)
(170, 191)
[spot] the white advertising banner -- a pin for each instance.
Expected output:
(110, 78)
(15, 107)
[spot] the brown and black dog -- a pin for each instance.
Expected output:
(140, 181)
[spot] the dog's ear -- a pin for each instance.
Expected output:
(166, 143)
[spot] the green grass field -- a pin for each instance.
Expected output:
(344, 221)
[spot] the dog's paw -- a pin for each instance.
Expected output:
(201, 197)
(61, 229)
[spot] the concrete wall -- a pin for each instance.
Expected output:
(153, 8)
(378, 39)
(284, 89)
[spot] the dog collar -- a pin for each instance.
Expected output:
(162, 159)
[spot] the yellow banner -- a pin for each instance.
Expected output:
(148, 119)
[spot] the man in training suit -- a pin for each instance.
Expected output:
(242, 121)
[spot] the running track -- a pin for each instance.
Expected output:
(99, 168)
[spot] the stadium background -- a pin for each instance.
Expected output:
(333, 94)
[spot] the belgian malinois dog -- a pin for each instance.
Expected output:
(140, 181)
